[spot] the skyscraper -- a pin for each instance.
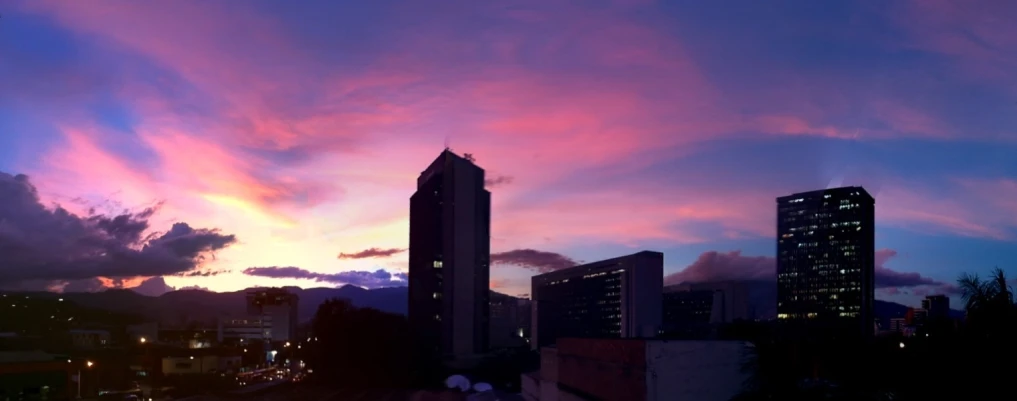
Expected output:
(450, 251)
(826, 260)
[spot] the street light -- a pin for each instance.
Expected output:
(142, 340)
(88, 364)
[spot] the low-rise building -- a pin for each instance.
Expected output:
(638, 369)
(89, 339)
(35, 375)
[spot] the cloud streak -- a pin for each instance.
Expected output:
(377, 279)
(371, 253)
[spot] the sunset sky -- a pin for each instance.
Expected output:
(605, 127)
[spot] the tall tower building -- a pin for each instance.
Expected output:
(450, 251)
(826, 261)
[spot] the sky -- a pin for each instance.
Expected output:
(229, 144)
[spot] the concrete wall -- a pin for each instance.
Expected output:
(695, 370)
(604, 369)
(530, 383)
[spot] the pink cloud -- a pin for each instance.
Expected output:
(244, 113)
(979, 35)
(715, 266)
(979, 212)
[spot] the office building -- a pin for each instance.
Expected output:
(688, 313)
(450, 251)
(276, 310)
(826, 261)
(244, 330)
(937, 306)
(613, 298)
(510, 321)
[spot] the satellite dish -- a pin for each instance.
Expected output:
(482, 387)
(458, 381)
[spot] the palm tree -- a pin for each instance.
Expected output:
(989, 303)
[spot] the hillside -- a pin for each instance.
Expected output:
(180, 307)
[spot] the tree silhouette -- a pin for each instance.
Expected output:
(360, 347)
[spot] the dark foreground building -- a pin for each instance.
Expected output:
(614, 298)
(450, 251)
(35, 375)
(826, 262)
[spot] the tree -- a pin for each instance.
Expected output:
(360, 347)
(989, 305)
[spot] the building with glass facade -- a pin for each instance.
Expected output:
(614, 298)
(826, 260)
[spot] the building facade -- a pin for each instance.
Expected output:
(450, 251)
(510, 321)
(826, 260)
(278, 308)
(937, 306)
(244, 330)
(688, 313)
(614, 298)
(638, 369)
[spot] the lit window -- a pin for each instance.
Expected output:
(437, 264)
(436, 295)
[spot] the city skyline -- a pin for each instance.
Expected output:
(605, 128)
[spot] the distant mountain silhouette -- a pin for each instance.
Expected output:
(762, 298)
(184, 306)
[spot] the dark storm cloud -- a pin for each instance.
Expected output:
(497, 181)
(153, 287)
(721, 266)
(371, 253)
(40, 243)
(540, 261)
(377, 279)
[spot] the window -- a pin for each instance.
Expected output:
(437, 264)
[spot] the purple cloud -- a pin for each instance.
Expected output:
(721, 266)
(40, 243)
(498, 180)
(153, 287)
(371, 253)
(377, 279)
(540, 261)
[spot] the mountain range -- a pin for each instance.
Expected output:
(184, 306)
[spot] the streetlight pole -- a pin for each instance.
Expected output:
(87, 364)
